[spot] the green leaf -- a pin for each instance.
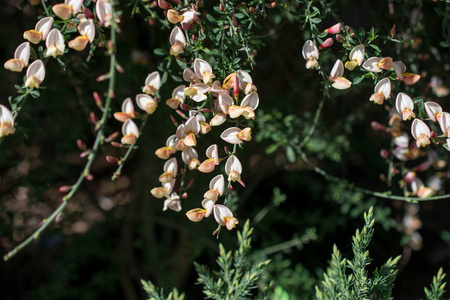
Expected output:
(272, 148)
(159, 52)
(290, 154)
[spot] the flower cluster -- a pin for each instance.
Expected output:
(208, 103)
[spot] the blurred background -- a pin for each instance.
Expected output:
(114, 233)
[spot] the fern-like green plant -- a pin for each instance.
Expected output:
(234, 281)
(237, 276)
(349, 279)
(437, 287)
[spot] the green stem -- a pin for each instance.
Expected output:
(86, 171)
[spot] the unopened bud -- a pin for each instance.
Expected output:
(433, 134)
(119, 68)
(102, 77)
(339, 38)
(222, 8)
(85, 153)
(328, 42)
(252, 9)
(116, 144)
(393, 31)
(384, 153)
(90, 177)
(190, 184)
(184, 106)
(184, 196)
(58, 218)
(151, 21)
(377, 126)
(163, 4)
(174, 121)
(181, 113)
(81, 145)
(348, 29)
(226, 150)
(111, 159)
(230, 188)
(93, 117)
(97, 99)
(206, 110)
(88, 13)
(409, 177)
(112, 137)
(234, 20)
(65, 188)
(236, 87)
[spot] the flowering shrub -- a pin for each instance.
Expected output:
(208, 117)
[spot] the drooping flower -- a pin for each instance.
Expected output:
(177, 41)
(6, 121)
(165, 152)
(310, 54)
(87, 34)
(189, 15)
(21, 57)
(170, 170)
(146, 103)
(382, 91)
(191, 129)
(203, 70)
(173, 202)
(178, 97)
(327, 43)
(405, 106)
(235, 135)
(104, 10)
(247, 107)
(407, 78)
(55, 43)
(204, 127)
(130, 132)
(421, 133)
(375, 64)
(245, 82)
(233, 168)
(163, 191)
(224, 216)
(216, 188)
(339, 82)
(213, 160)
(40, 31)
(35, 74)
(356, 57)
(444, 123)
(127, 111)
(152, 83)
(190, 157)
(69, 7)
(418, 188)
(433, 110)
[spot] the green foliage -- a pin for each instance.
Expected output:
(237, 276)
(437, 287)
(157, 294)
(349, 279)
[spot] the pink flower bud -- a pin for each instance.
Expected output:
(93, 117)
(384, 153)
(339, 38)
(90, 177)
(119, 68)
(184, 196)
(377, 126)
(116, 144)
(88, 13)
(230, 188)
(97, 99)
(334, 29)
(174, 121)
(111, 159)
(112, 137)
(185, 106)
(163, 4)
(102, 77)
(81, 145)
(65, 188)
(433, 134)
(226, 150)
(328, 42)
(151, 21)
(409, 177)
(85, 153)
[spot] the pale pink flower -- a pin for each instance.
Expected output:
(170, 170)
(146, 103)
(310, 53)
(190, 157)
(40, 31)
(405, 106)
(339, 82)
(356, 57)
(165, 152)
(216, 188)
(177, 41)
(152, 83)
(418, 188)
(191, 129)
(245, 82)
(382, 91)
(421, 133)
(55, 43)
(444, 123)
(130, 132)
(224, 216)
(407, 78)
(197, 91)
(375, 64)
(164, 191)
(190, 76)
(21, 57)
(6, 121)
(87, 35)
(433, 110)
(103, 10)
(213, 159)
(233, 168)
(127, 111)
(69, 7)
(173, 202)
(203, 70)
(35, 74)
(235, 135)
